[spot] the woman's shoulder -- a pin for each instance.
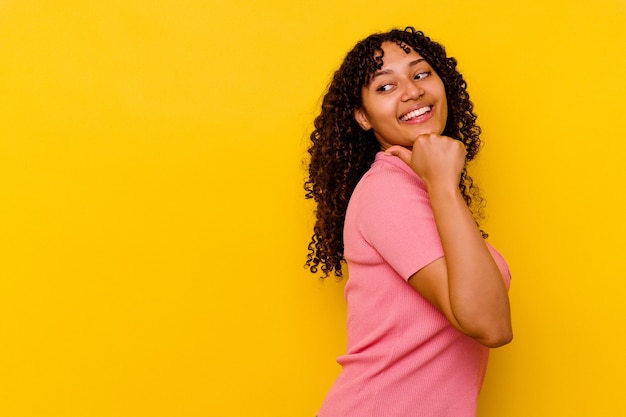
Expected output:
(388, 173)
(389, 183)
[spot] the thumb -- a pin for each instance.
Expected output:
(401, 152)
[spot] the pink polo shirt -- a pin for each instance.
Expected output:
(404, 359)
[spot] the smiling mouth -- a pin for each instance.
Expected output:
(416, 113)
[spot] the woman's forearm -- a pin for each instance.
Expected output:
(478, 295)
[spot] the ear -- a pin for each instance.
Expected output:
(361, 119)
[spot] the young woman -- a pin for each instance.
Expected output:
(427, 295)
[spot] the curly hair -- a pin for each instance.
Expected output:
(341, 152)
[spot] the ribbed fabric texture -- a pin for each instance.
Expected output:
(404, 359)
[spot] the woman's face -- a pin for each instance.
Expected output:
(404, 99)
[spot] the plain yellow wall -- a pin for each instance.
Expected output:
(152, 222)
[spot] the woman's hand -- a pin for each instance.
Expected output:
(438, 160)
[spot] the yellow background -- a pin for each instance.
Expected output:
(152, 222)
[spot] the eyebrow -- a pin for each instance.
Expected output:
(387, 71)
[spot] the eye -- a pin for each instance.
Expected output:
(384, 87)
(421, 75)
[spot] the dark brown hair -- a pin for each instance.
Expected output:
(341, 152)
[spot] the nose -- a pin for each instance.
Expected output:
(412, 91)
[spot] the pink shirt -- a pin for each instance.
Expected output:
(404, 359)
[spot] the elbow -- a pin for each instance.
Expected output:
(496, 339)
(492, 331)
(491, 335)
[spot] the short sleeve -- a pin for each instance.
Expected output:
(393, 215)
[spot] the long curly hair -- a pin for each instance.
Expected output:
(341, 152)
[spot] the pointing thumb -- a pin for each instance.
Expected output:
(401, 152)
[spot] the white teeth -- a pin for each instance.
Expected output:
(415, 113)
